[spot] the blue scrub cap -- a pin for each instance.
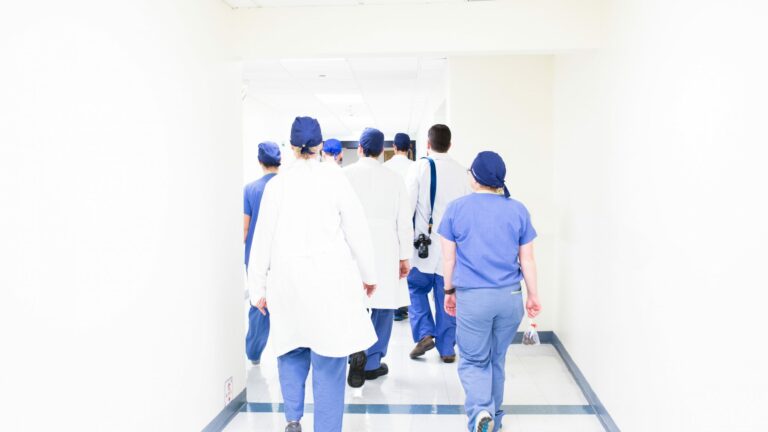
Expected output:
(488, 169)
(306, 133)
(402, 142)
(332, 146)
(372, 140)
(269, 153)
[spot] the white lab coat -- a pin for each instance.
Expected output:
(452, 183)
(399, 164)
(387, 209)
(311, 248)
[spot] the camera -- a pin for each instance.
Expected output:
(422, 245)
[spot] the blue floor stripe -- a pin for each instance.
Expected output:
(426, 409)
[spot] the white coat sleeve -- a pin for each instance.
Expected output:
(356, 231)
(261, 246)
(404, 224)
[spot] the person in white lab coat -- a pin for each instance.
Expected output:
(401, 163)
(387, 208)
(427, 273)
(318, 313)
(332, 152)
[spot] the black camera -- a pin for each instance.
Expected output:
(422, 245)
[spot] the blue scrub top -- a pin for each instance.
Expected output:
(251, 202)
(488, 230)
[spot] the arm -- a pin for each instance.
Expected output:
(404, 231)
(528, 265)
(247, 223)
(261, 248)
(449, 262)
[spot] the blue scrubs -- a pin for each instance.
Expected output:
(382, 321)
(258, 324)
(328, 385)
(489, 304)
(443, 326)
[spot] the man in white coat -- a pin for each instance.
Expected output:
(309, 213)
(387, 209)
(427, 273)
(401, 163)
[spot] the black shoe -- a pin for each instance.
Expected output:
(373, 374)
(401, 314)
(424, 345)
(356, 377)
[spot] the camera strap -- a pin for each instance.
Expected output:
(432, 190)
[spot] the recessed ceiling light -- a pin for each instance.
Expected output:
(322, 76)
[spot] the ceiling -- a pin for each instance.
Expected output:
(348, 94)
(295, 3)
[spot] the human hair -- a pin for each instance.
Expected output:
(309, 155)
(368, 153)
(439, 138)
(270, 165)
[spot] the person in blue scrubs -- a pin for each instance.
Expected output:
(258, 323)
(487, 240)
(332, 151)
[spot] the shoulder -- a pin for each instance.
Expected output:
(460, 203)
(517, 206)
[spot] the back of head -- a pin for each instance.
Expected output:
(269, 154)
(372, 142)
(306, 135)
(402, 142)
(439, 138)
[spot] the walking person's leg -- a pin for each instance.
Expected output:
(293, 368)
(258, 333)
(328, 388)
(445, 328)
(422, 323)
(504, 328)
(382, 322)
(474, 333)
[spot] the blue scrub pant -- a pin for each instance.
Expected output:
(487, 320)
(328, 375)
(443, 326)
(258, 333)
(382, 321)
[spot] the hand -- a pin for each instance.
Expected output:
(450, 304)
(405, 268)
(369, 289)
(533, 306)
(261, 305)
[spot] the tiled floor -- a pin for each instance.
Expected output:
(536, 379)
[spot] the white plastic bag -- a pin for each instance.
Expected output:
(531, 336)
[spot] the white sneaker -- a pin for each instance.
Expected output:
(483, 422)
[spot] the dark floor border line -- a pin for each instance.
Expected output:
(426, 409)
(227, 414)
(602, 414)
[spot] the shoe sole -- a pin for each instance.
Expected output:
(356, 377)
(421, 353)
(485, 425)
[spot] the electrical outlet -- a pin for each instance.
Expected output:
(228, 391)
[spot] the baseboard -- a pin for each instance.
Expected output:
(227, 414)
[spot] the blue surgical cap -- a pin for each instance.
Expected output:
(372, 141)
(488, 169)
(402, 141)
(306, 133)
(332, 146)
(269, 153)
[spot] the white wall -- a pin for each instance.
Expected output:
(120, 183)
(504, 104)
(660, 189)
(402, 29)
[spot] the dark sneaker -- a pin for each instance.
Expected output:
(401, 314)
(356, 377)
(255, 362)
(424, 345)
(373, 374)
(483, 422)
(293, 427)
(449, 358)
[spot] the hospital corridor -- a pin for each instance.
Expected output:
(383, 215)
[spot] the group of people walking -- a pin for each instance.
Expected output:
(334, 254)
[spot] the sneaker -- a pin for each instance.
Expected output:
(401, 314)
(381, 371)
(424, 345)
(449, 358)
(255, 362)
(356, 377)
(483, 422)
(293, 427)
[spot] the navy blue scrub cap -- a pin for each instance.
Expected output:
(332, 146)
(488, 169)
(402, 141)
(372, 140)
(269, 153)
(306, 133)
